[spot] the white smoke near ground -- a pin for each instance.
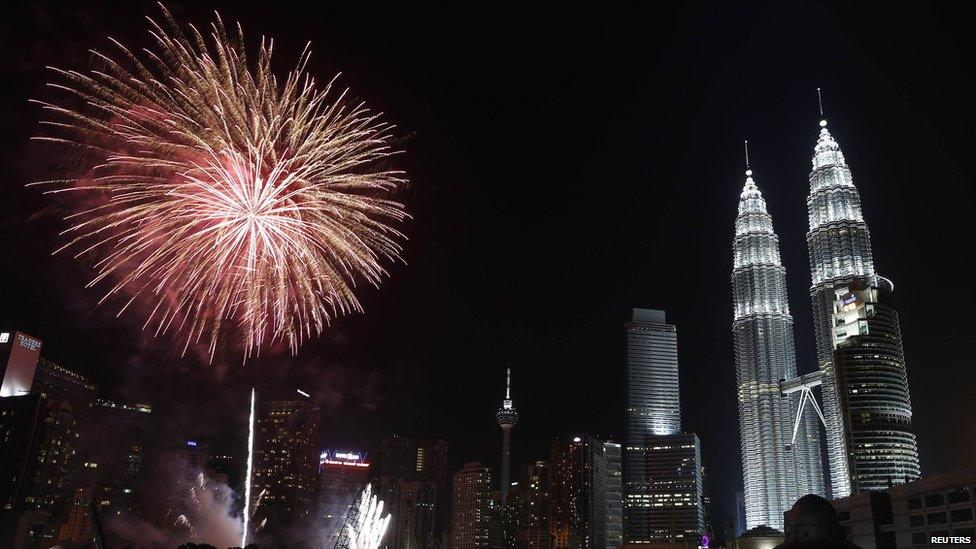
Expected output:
(204, 513)
(208, 515)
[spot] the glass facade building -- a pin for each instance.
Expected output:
(662, 474)
(776, 469)
(870, 441)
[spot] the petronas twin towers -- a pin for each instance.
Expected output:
(861, 367)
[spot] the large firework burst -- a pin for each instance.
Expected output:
(234, 205)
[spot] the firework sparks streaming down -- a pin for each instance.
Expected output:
(248, 472)
(369, 527)
(234, 205)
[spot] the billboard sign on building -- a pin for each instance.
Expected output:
(18, 359)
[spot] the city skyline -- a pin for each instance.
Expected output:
(533, 252)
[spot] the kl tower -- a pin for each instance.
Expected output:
(507, 418)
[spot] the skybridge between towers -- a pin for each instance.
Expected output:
(804, 385)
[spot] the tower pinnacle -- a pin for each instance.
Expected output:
(507, 417)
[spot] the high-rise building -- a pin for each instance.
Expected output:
(615, 509)
(668, 508)
(869, 363)
(653, 404)
(507, 417)
(528, 509)
(411, 478)
(54, 381)
(776, 469)
(37, 447)
(473, 507)
(739, 524)
(662, 485)
(112, 456)
(342, 476)
(77, 528)
(578, 489)
(18, 359)
(870, 441)
(285, 463)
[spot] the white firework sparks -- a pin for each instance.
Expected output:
(368, 530)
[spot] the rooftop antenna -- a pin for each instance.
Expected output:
(508, 384)
(823, 120)
(748, 171)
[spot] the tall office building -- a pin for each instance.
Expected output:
(578, 488)
(473, 507)
(870, 441)
(112, 456)
(412, 479)
(615, 509)
(653, 405)
(342, 476)
(54, 381)
(776, 469)
(38, 437)
(507, 417)
(285, 462)
(529, 509)
(662, 484)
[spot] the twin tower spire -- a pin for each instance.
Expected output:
(861, 366)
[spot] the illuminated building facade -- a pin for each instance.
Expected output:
(342, 475)
(529, 509)
(285, 461)
(412, 479)
(37, 447)
(18, 359)
(77, 529)
(867, 407)
(653, 405)
(473, 507)
(662, 483)
(615, 510)
(869, 371)
(668, 507)
(54, 381)
(578, 488)
(777, 468)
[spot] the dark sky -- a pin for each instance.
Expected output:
(566, 165)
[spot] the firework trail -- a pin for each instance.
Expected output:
(247, 478)
(367, 531)
(236, 205)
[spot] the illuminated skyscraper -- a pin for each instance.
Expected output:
(529, 509)
(578, 487)
(653, 405)
(662, 485)
(285, 462)
(342, 476)
(507, 417)
(473, 507)
(776, 469)
(870, 441)
(413, 482)
(615, 511)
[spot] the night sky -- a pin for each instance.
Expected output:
(566, 165)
